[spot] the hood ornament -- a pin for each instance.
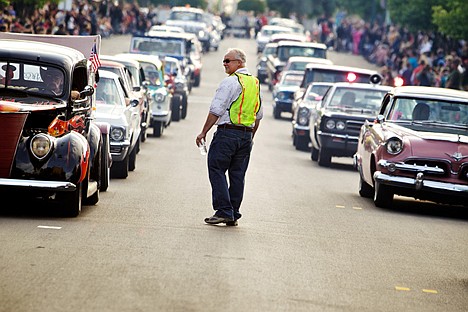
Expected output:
(457, 156)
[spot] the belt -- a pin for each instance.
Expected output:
(235, 127)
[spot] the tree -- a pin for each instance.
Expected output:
(258, 6)
(367, 10)
(451, 18)
(414, 14)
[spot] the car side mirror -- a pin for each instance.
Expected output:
(380, 119)
(134, 102)
(87, 91)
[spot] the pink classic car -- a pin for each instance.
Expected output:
(417, 147)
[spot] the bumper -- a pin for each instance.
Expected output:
(421, 185)
(36, 185)
(301, 131)
(119, 150)
(283, 106)
(341, 145)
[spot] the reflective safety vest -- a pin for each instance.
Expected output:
(244, 109)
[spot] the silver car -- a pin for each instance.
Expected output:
(115, 107)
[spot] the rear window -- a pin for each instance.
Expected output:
(331, 75)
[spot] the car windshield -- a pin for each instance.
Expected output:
(356, 101)
(186, 16)
(291, 80)
(31, 78)
(152, 74)
(285, 52)
(334, 75)
(429, 111)
(156, 46)
(315, 90)
(107, 92)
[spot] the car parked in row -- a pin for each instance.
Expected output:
(114, 106)
(302, 109)
(283, 92)
(52, 149)
(335, 126)
(137, 76)
(417, 146)
(161, 99)
(178, 82)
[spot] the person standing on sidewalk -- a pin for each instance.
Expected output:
(236, 110)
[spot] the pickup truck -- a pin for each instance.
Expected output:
(286, 49)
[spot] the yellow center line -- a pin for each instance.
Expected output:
(357, 208)
(430, 291)
(339, 206)
(402, 288)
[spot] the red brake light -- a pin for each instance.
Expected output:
(398, 81)
(351, 77)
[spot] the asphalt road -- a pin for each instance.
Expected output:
(307, 241)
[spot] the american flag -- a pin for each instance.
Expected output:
(94, 58)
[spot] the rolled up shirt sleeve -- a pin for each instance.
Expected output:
(228, 91)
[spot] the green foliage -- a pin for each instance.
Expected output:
(451, 20)
(4, 4)
(25, 8)
(284, 7)
(258, 6)
(367, 10)
(414, 14)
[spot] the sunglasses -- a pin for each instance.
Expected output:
(227, 61)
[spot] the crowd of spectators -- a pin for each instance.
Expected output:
(424, 59)
(83, 18)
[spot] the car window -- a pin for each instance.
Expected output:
(152, 74)
(314, 90)
(107, 92)
(291, 80)
(354, 98)
(409, 109)
(32, 78)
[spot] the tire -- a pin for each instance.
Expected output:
(119, 169)
(158, 129)
(302, 144)
(176, 103)
(184, 106)
(383, 196)
(324, 157)
(105, 170)
(132, 157)
(314, 154)
(72, 202)
(196, 82)
(143, 134)
(276, 113)
(365, 190)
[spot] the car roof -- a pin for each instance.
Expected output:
(341, 68)
(190, 9)
(122, 60)
(170, 35)
(276, 27)
(105, 62)
(430, 93)
(107, 74)
(293, 72)
(144, 58)
(302, 44)
(359, 85)
(34, 52)
(309, 59)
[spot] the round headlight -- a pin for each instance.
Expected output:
(394, 146)
(117, 134)
(303, 111)
(158, 97)
(330, 124)
(280, 96)
(303, 120)
(40, 145)
(340, 125)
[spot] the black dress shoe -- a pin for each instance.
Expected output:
(216, 220)
(231, 223)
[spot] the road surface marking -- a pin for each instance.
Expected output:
(49, 227)
(339, 206)
(402, 288)
(430, 291)
(357, 208)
